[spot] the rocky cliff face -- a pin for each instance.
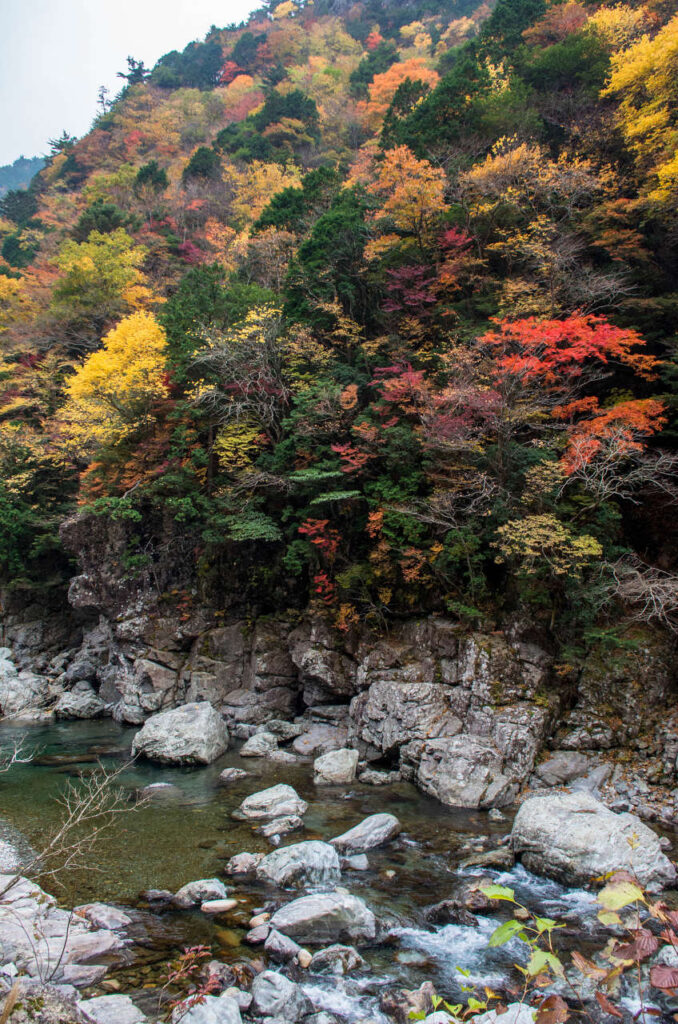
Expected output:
(467, 715)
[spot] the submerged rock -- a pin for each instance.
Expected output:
(373, 831)
(232, 775)
(190, 734)
(329, 917)
(310, 863)
(574, 838)
(276, 802)
(280, 826)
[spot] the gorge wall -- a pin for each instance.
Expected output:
(470, 716)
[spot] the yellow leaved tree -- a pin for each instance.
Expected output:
(111, 396)
(645, 80)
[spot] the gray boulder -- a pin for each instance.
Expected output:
(190, 734)
(243, 865)
(102, 915)
(276, 802)
(574, 838)
(336, 768)
(562, 767)
(276, 996)
(515, 1013)
(194, 893)
(319, 739)
(304, 864)
(462, 771)
(80, 705)
(373, 831)
(280, 826)
(221, 1009)
(117, 1009)
(328, 917)
(262, 744)
(280, 948)
(20, 691)
(337, 960)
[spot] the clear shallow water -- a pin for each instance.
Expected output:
(180, 837)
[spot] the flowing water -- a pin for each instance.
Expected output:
(188, 833)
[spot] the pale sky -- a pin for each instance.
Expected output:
(54, 55)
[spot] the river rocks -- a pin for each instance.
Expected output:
(194, 893)
(262, 744)
(281, 948)
(276, 996)
(80, 705)
(329, 917)
(515, 1013)
(190, 734)
(391, 714)
(562, 767)
(336, 959)
(304, 864)
(336, 768)
(285, 731)
(320, 739)
(404, 1004)
(221, 1009)
(462, 771)
(101, 915)
(371, 832)
(20, 691)
(450, 912)
(276, 802)
(218, 906)
(116, 1009)
(243, 865)
(574, 838)
(35, 932)
(372, 777)
(280, 826)
(230, 775)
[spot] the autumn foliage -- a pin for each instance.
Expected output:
(371, 310)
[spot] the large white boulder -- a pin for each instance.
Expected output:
(276, 802)
(373, 831)
(310, 863)
(190, 734)
(574, 838)
(328, 917)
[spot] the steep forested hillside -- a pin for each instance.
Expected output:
(369, 305)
